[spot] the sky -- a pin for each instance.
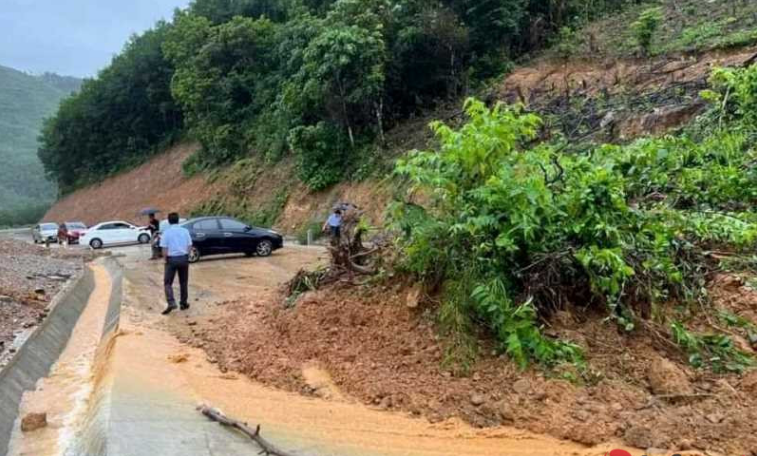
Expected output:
(73, 37)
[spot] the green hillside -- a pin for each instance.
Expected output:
(26, 100)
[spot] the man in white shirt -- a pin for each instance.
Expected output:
(176, 242)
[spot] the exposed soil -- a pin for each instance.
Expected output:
(158, 183)
(381, 352)
(30, 277)
(617, 99)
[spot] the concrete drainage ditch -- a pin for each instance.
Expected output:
(38, 351)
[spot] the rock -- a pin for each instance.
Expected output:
(522, 386)
(413, 297)
(715, 418)
(617, 406)
(476, 377)
(667, 378)
(686, 445)
(192, 323)
(581, 415)
(40, 291)
(639, 437)
(5, 299)
(477, 399)
(506, 412)
(33, 421)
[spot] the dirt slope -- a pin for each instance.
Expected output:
(159, 183)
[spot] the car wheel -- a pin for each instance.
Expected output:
(143, 238)
(96, 244)
(264, 248)
(194, 255)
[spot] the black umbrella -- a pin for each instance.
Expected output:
(149, 211)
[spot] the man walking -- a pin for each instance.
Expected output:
(176, 242)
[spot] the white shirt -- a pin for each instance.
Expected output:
(177, 240)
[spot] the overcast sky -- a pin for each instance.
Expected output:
(73, 37)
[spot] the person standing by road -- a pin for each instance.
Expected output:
(334, 225)
(154, 227)
(176, 242)
(63, 235)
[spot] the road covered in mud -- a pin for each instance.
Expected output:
(138, 395)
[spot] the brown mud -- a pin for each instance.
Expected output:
(376, 350)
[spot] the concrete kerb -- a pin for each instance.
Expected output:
(38, 352)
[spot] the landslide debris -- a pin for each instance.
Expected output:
(30, 277)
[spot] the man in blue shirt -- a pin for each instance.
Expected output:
(334, 225)
(176, 242)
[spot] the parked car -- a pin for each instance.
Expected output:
(220, 235)
(114, 233)
(74, 231)
(45, 232)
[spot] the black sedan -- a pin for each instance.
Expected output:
(221, 235)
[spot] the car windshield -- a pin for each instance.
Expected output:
(76, 226)
(48, 226)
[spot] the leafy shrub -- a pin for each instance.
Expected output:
(715, 350)
(646, 26)
(512, 229)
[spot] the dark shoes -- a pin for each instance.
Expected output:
(168, 310)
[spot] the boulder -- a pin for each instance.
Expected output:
(666, 378)
(33, 421)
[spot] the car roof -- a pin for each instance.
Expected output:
(113, 221)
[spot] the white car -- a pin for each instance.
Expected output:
(114, 233)
(45, 231)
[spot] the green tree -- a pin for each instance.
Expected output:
(645, 28)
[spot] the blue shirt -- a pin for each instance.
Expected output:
(335, 220)
(177, 240)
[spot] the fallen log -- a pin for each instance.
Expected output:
(267, 447)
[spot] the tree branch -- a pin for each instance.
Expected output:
(254, 434)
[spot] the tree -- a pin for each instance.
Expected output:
(645, 28)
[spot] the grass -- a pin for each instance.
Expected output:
(688, 26)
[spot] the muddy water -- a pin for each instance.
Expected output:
(65, 394)
(142, 401)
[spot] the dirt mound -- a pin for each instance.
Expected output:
(159, 183)
(383, 353)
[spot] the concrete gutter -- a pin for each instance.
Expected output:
(38, 351)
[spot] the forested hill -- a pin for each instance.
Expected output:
(318, 81)
(26, 100)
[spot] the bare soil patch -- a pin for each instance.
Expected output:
(381, 352)
(158, 183)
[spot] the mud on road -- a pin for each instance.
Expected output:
(184, 348)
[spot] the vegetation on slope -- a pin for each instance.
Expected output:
(25, 101)
(317, 79)
(514, 229)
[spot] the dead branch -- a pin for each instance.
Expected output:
(254, 434)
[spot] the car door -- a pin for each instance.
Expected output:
(123, 233)
(106, 233)
(207, 236)
(235, 236)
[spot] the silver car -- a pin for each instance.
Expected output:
(45, 232)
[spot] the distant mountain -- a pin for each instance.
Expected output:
(25, 101)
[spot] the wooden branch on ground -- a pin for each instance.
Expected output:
(254, 434)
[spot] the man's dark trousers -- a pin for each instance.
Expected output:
(176, 264)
